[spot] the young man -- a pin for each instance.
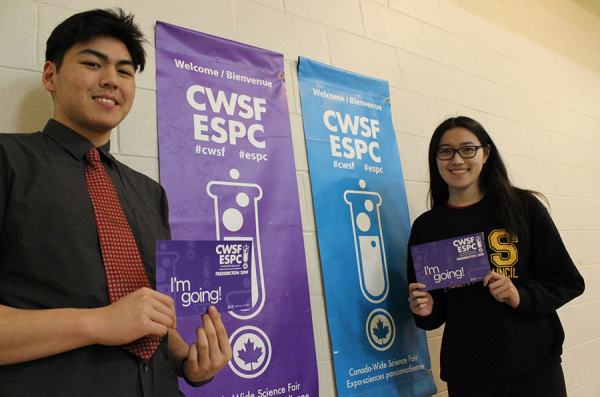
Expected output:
(60, 333)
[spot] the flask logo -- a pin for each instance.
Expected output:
(236, 218)
(368, 243)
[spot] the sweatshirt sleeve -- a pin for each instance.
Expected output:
(438, 313)
(4, 184)
(554, 279)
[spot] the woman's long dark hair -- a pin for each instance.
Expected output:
(493, 180)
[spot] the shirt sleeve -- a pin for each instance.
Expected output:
(554, 279)
(164, 213)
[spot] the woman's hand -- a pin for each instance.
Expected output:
(421, 302)
(502, 289)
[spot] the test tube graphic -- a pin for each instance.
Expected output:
(479, 244)
(236, 218)
(245, 254)
(368, 243)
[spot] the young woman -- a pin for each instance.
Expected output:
(502, 336)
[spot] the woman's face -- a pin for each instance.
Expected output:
(460, 174)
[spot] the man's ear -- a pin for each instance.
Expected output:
(49, 76)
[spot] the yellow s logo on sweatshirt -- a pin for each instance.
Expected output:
(505, 253)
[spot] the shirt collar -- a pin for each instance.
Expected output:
(72, 141)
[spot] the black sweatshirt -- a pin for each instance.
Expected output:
(483, 338)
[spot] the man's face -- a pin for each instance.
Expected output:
(94, 89)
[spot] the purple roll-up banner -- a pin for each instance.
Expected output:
(227, 164)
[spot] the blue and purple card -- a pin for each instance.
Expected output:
(455, 261)
(198, 274)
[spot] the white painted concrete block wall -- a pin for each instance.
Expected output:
(441, 57)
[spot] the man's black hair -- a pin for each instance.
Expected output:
(88, 25)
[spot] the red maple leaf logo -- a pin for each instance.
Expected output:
(250, 354)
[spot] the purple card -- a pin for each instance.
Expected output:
(451, 262)
(198, 274)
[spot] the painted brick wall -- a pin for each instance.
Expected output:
(529, 70)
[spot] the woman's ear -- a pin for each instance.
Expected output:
(486, 153)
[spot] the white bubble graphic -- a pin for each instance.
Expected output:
(363, 222)
(233, 219)
(242, 200)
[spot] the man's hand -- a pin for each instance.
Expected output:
(144, 312)
(502, 289)
(212, 350)
(32, 334)
(421, 302)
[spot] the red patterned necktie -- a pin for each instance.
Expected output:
(124, 268)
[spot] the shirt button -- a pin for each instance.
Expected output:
(145, 366)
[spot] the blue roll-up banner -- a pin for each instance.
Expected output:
(363, 227)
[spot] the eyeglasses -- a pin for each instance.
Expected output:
(466, 152)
